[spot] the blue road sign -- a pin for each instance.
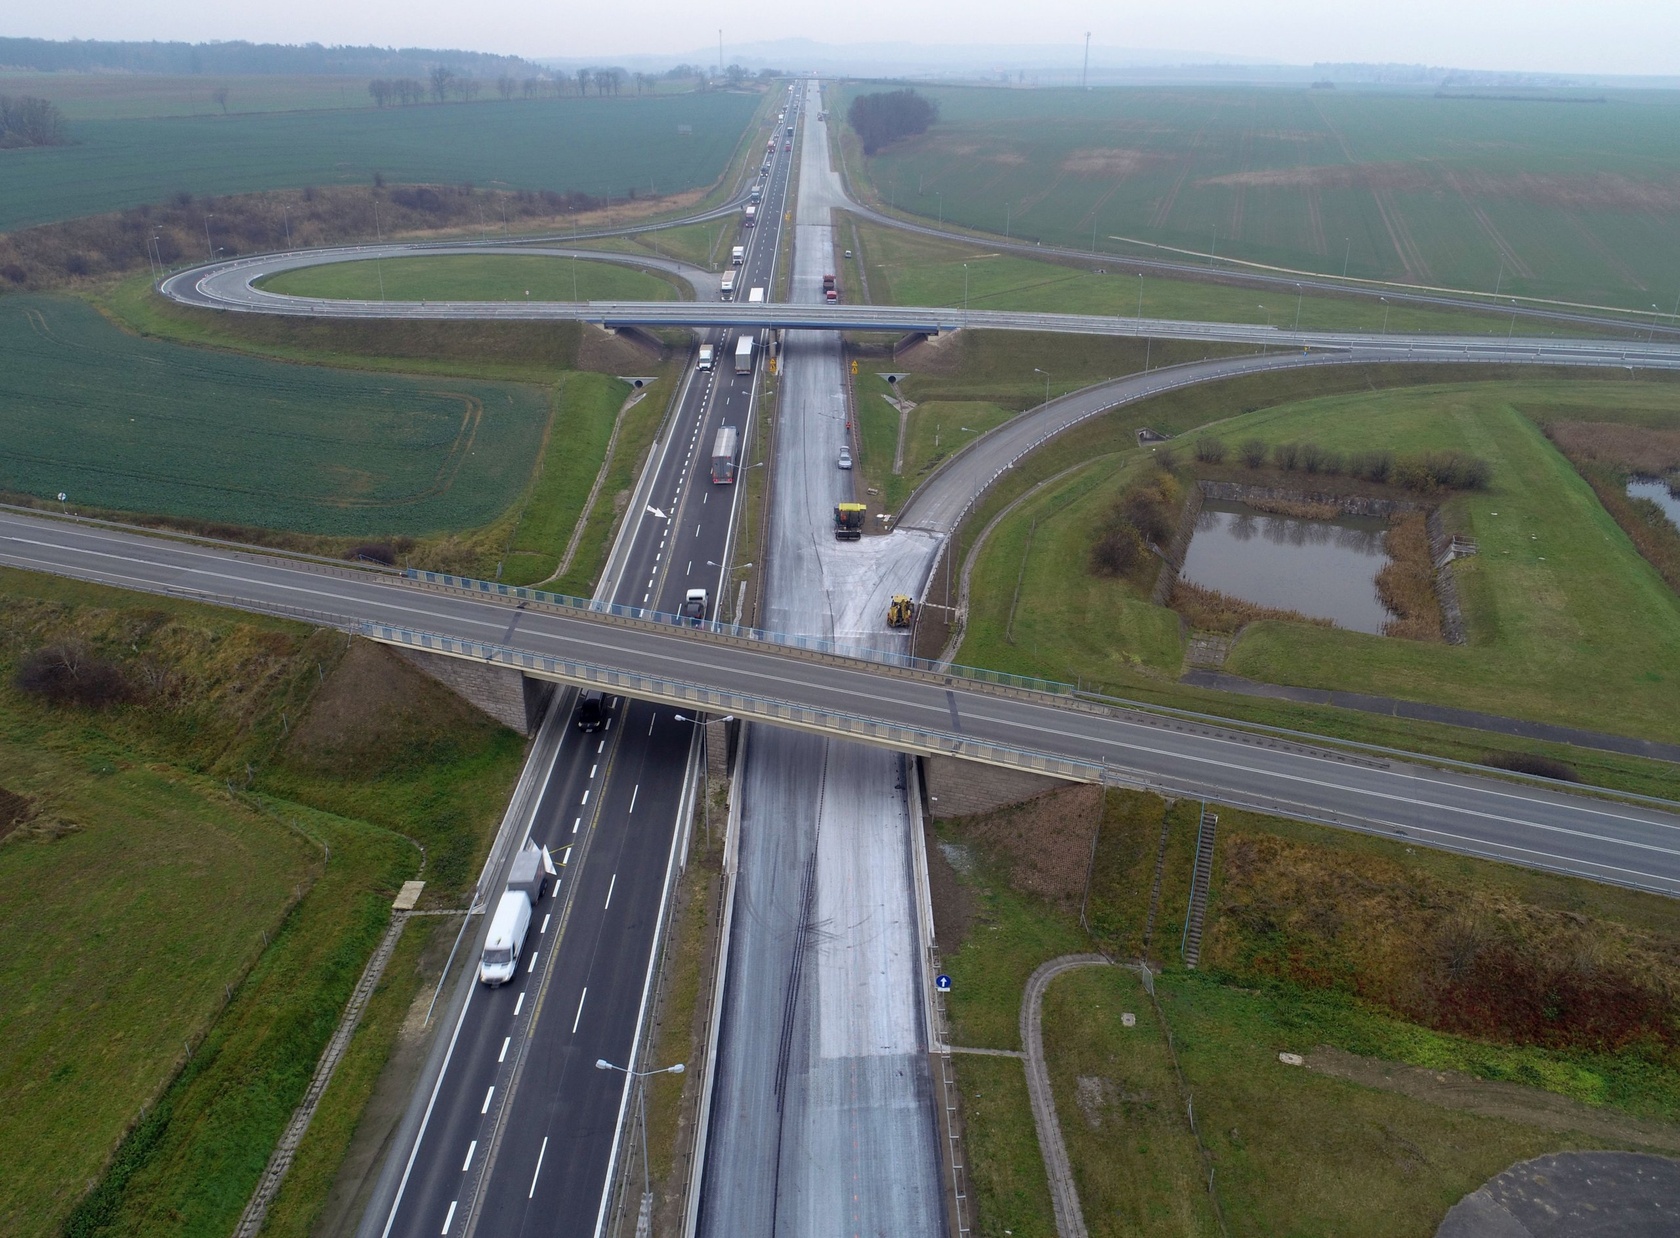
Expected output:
(942, 983)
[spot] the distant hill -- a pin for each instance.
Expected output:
(93, 56)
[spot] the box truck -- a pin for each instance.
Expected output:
(744, 355)
(511, 921)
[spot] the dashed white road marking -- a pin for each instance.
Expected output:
(611, 886)
(486, 1107)
(540, 1152)
(581, 997)
(471, 1148)
(451, 1216)
(501, 1057)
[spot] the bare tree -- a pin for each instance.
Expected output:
(584, 77)
(529, 87)
(440, 78)
(220, 95)
(380, 89)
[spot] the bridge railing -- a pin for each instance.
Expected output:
(751, 706)
(810, 644)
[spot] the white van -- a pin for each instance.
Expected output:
(507, 938)
(705, 361)
(738, 255)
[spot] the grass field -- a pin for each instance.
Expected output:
(137, 96)
(147, 426)
(1574, 202)
(1566, 622)
(168, 945)
(477, 277)
(602, 147)
(1293, 1151)
(906, 269)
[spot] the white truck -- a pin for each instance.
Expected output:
(752, 215)
(744, 354)
(738, 255)
(511, 921)
(726, 286)
(705, 361)
(755, 296)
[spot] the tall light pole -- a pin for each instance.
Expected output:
(208, 248)
(1298, 295)
(705, 762)
(1140, 298)
(941, 196)
(601, 1063)
(1046, 374)
(1347, 255)
(965, 289)
(1386, 308)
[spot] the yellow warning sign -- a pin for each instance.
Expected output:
(854, 367)
(772, 365)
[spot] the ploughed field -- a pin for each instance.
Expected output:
(142, 425)
(1570, 200)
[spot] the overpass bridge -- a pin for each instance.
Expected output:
(882, 698)
(233, 286)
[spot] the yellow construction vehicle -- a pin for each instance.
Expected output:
(848, 521)
(901, 612)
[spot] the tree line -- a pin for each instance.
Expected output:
(92, 55)
(442, 84)
(28, 121)
(883, 118)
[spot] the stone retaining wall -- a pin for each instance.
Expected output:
(1446, 588)
(1346, 504)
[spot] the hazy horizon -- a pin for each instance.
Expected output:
(1633, 37)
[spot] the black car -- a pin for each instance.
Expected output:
(592, 711)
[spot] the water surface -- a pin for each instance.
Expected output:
(1658, 492)
(1326, 569)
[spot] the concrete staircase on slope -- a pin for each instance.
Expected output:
(1199, 880)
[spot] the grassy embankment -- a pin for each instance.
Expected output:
(1297, 958)
(178, 947)
(1558, 202)
(1566, 622)
(478, 277)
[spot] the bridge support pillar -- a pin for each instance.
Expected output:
(958, 788)
(511, 698)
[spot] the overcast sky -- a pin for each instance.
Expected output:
(1602, 36)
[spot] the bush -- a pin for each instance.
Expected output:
(1287, 456)
(1375, 466)
(1210, 450)
(1312, 457)
(69, 674)
(1118, 551)
(1149, 513)
(1253, 452)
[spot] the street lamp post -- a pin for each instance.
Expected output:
(1298, 295)
(705, 762)
(601, 1063)
(1140, 297)
(1046, 374)
(1386, 308)
(208, 248)
(965, 287)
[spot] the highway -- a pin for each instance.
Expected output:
(519, 1133)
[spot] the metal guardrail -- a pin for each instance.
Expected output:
(741, 634)
(750, 705)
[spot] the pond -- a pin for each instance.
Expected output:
(1326, 569)
(1657, 491)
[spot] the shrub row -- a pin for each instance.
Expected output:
(1428, 472)
(1143, 515)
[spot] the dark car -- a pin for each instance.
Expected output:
(694, 607)
(592, 711)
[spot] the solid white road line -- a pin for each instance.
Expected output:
(487, 1096)
(451, 1216)
(471, 1148)
(502, 1056)
(540, 1152)
(611, 886)
(575, 1021)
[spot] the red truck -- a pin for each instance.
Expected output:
(831, 289)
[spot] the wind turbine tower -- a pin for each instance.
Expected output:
(1084, 73)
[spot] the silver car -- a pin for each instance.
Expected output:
(845, 457)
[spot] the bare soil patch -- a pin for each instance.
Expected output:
(1045, 842)
(1487, 1098)
(1100, 161)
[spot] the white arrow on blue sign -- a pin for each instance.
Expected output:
(942, 983)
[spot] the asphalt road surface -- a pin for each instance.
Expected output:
(822, 1120)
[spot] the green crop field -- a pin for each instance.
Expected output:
(595, 146)
(1566, 622)
(147, 426)
(476, 277)
(1575, 201)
